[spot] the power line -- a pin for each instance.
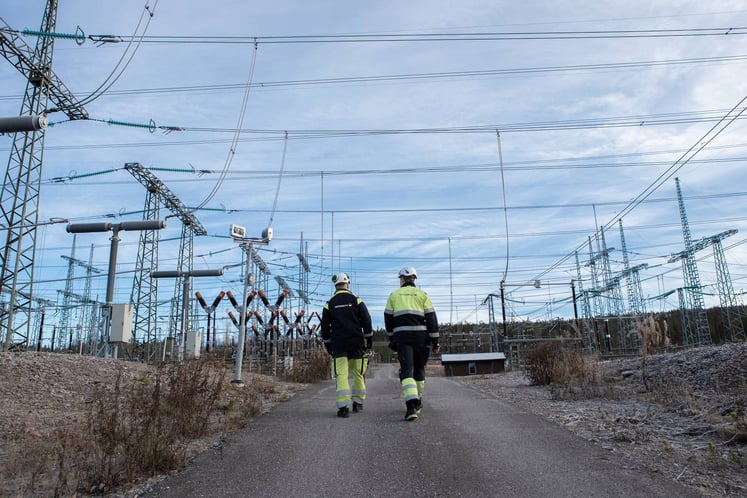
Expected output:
(421, 76)
(446, 37)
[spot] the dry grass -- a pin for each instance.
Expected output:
(570, 373)
(131, 430)
(313, 369)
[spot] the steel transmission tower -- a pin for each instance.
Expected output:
(587, 322)
(731, 314)
(636, 304)
(145, 287)
(67, 295)
(732, 311)
(19, 199)
(599, 308)
(691, 297)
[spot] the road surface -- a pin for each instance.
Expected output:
(465, 444)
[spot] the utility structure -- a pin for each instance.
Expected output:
(605, 285)
(587, 324)
(598, 306)
(695, 329)
(69, 296)
(303, 273)
(631, 274)
(19, 199)
(732, 311)
(115, 228)
(145, 289)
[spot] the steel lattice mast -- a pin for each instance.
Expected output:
(145, 307)
(636, 303)
(19, 199)
(144, 294)
(691, 296)
(732, 311)
(587, 322)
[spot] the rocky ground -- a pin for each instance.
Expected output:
(687, 421)
(689, 424)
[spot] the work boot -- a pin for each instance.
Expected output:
(357, 407)
(411, 413)
(343, 412)
(418, 406)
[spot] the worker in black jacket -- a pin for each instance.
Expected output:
(347, 334)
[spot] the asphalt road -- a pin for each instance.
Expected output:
(465, 443)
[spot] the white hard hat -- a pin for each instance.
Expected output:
(408, 272)
(340, 278)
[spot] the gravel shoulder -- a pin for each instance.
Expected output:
(689, 425)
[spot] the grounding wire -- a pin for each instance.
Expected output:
(503, 195)
(683, 160)
(280, 179)
(111, 79)
(237, 132)
(425, 76)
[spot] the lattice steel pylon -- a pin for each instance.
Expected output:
(598, 305)
(731, 309)
(19, 199)
(145, 306)
(64, 322)
(144, 295)
(693, 290)
(586, 322)
(636, 304)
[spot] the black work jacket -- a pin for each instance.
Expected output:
(346, 323)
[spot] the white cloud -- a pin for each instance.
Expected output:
(385, 219)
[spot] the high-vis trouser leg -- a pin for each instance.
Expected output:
(405, 354)
(409, 389)
(421, 387)
(358, 368)
(340, 365)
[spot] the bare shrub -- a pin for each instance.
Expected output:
(144, 431)
(130, 432)
(567, 368)
(652, 337)
(313, 368)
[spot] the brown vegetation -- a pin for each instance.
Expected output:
(82, 425)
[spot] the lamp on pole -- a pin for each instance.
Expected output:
(115, 228)
(185, 296)
(238, 234)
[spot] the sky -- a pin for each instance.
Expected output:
(479, 141)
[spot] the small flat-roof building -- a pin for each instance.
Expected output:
(473, 363)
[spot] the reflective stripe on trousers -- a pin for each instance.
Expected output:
(409, 389)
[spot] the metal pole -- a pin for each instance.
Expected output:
(107, 309)
(575, 308)
(41, 330)
(185, 315)
(207, 339)
(242, 319)
(503, 311)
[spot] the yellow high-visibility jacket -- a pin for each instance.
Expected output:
(409, 316)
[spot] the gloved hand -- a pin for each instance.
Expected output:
(369, 343)
(392, 346)
(435, 348)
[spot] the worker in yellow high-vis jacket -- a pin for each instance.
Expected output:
(347, 334)
(412, 327)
